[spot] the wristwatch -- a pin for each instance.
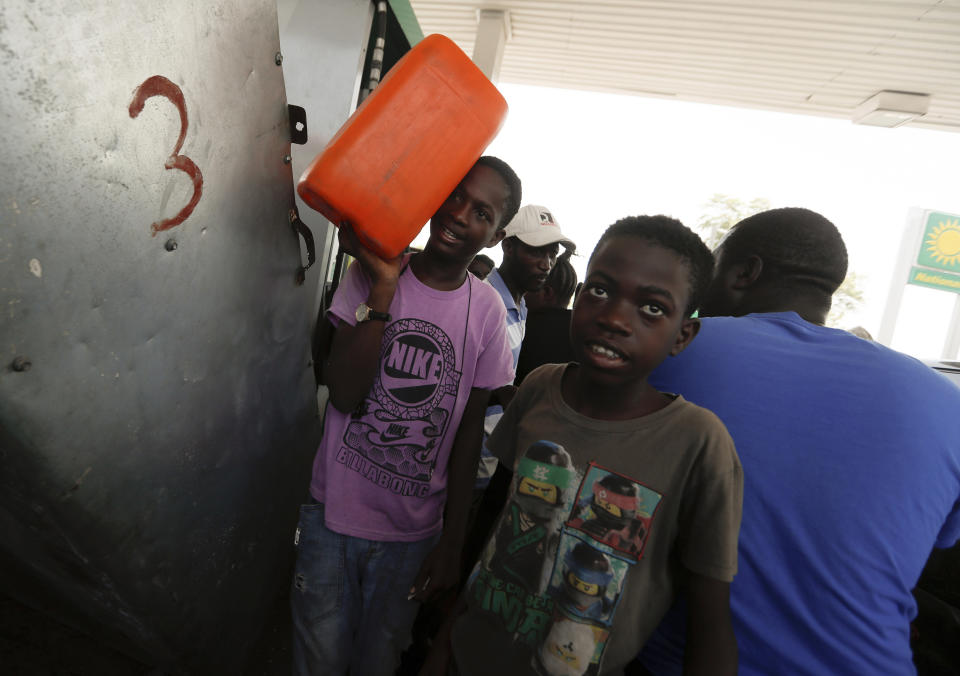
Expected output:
(365, 313)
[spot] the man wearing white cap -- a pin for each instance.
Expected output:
(530, 249)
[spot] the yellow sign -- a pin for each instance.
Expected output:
(935, 280)
(940, 247)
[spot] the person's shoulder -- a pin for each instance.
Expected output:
(702, 419)
(704, 431)
(921, 379)
(545, 374)
(485, 294)
(495, 281)
(886, 366)
(540, 380)
(493, 278)
(350, 292)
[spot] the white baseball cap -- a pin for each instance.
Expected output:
(535, 226)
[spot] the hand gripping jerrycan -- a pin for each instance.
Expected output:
(406, 147)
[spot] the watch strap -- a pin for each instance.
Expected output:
(365, 314)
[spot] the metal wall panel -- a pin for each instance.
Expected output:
(153, 455)
(324, 45)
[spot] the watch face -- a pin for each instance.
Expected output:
(364, 314)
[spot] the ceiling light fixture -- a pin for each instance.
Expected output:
(891, 109)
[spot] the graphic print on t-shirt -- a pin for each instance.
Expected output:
(554, 571)
(587, 579)
(393, 438)
(521, 553)
(585, 588)
(615, 510)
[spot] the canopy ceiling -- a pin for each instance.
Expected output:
(820, 57)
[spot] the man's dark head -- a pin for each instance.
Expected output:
(530, 249)
(778, 260)
(672, 235)
(514, 189)
(559, 287)
(481, 266)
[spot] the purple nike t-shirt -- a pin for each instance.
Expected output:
(381, 471)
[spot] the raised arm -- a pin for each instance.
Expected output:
(352, 364)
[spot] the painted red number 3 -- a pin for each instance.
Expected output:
(157, 85)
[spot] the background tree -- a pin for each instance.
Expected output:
(721, 212)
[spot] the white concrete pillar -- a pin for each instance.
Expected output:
(951, 346)
(493, 31)
(901, 271)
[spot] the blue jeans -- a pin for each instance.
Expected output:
(349, 599)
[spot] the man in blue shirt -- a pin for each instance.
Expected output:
(530, 250)
(850, 454)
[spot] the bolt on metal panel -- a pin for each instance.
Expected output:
(157, 407)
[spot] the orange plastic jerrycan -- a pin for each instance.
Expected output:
(406, 147)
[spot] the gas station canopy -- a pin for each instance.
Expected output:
(870, 61)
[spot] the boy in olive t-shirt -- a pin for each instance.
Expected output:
(622, 495)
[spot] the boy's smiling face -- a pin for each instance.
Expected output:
(630, 313)
(468, 219)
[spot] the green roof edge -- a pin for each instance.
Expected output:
(407, 20)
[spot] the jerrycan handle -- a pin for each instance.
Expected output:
(301, 228)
